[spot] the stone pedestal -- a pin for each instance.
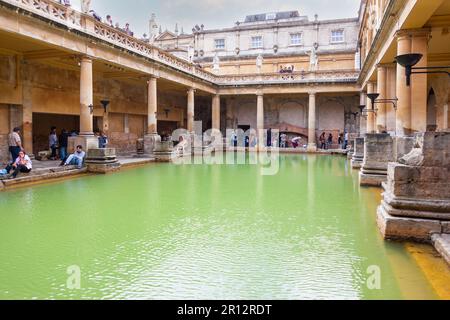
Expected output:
(102, 160)
(378, 152)
(150, 141)
(87, 142)
(416, 200)
(358, 154)
(164, 151)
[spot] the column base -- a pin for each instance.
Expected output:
(372, 178)
(357, 161)
(312, 147)
(150, 141)
(102, 160)
(87, 142)
(401, 228)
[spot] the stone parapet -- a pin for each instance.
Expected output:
(417, 190)
(378, 152)
(358, 153)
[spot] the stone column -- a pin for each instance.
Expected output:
(403, 118)
(370, 114)
(419, 86)
(190, 109)
(152, 137)
(27, 118)
(86, 98)
(362, 120)
(312, 145)
(381, 124)
(86, 138)
(152, 106)
(260, 118)
(260, 111)
(216, 112)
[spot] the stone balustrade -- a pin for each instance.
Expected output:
(295, 77)
(84, 23)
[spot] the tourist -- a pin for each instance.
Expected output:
(283, 140)
(128, 30)
(21, 164)
(65, 2)
(269, 137)
(346, 137)
(109, 21)
(102, 140)
(340, 140)
(53, 142)
(76, 159)
(95, 15)
(63, 143)
(330, 141)
(322, 141)
(296, 142)
(15, 143)
(234, 139)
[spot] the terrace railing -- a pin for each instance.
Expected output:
(84, 23)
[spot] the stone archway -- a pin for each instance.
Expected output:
(294, 114)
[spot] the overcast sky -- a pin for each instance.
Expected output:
(213, 13)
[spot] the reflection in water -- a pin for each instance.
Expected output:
(202, 232)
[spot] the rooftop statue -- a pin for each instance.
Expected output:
(85, 5)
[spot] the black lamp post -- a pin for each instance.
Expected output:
(374, 99)
(408, 61)
(105, 104)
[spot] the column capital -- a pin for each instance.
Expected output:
(410, 33)
(259, 93)
(85, 59)
(312, 93)
(191, 90)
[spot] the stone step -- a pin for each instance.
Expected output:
(442, 244)
(48, 175)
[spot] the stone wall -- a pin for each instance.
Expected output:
(124, 143)
(334, 114)
(4, 153)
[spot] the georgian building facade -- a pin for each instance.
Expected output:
(267, 42)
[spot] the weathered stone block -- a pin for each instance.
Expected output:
(150, 142)
(446, 227)
(378, 152)
(102, 160)
(398, 228)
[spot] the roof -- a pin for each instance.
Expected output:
(272, 16)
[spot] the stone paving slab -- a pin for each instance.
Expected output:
(442, 244)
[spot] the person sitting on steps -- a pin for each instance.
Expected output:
(22, 164)
(76, 158)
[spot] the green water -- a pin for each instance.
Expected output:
(203, 232)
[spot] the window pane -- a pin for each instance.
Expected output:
(220, 44)
(257, 42)
(296, 39)
(337, 36)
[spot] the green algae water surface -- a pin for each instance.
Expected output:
(203, 232)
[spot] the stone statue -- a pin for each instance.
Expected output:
(216, 63)
(313, 58)
(85, 5)
(259, 62)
